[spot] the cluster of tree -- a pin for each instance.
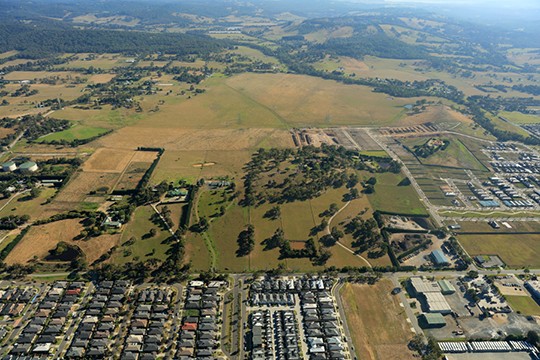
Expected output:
(11, 222)
(24, 90)
(32, 127)
(316, 170)
(429, 148)
(365, 232)
(246, 241)
(46, 38)
(528, 89)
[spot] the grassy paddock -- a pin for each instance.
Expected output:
(515, 250)
(525, 305)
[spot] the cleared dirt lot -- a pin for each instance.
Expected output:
(41, 239)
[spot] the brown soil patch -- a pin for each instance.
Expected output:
(109, 160)
(189, 139)
(101, 78)
(200, 165)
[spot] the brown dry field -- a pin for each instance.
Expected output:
(101, 78)
(377, 322)
(189, 139)
(81, 184)
(132, 176)
(5, 132)
(43, 238)
(108, 160)
(353, 65)
(436, 114)
(144, 156)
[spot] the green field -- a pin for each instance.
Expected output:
(524, 305)
(515, 250)
(143, 248)
(77, 132)
(520, 118)
(399, 199)
(455, 155)
(22, 204)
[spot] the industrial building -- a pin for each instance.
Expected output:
(432, 320)
(534, 288)
(436, 303)
(9, 166)
(421, 286)
(439, 259)
(446, 287)
(28, 167)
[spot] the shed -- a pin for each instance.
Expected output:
(432, 320)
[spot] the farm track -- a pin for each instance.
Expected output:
(327, 230)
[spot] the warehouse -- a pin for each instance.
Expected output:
(421, 286)
(432, 320)
(446, 287)
(439, 259)
(436, 303)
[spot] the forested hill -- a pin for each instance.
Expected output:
(35, 40)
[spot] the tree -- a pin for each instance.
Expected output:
(533, 338)
(336, 233)
(353, 193)
(372, 180)
(473, 274)
(246, 241)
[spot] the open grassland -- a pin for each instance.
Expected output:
(515, 250)
(411, 70)
(455, 155)
(24, 205)
(507, 126)
(178, 165)
(76, 132)
(390, 197)
(186, 139)
(524, 305)
(223, 235)
(369, 311)
(197, 253)
(37, 75)
(37, 243)
(144, 247)
(520, 118)
(103, 118)
(303, 100)
(103, 61)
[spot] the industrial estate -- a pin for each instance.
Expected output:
(270, 180)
